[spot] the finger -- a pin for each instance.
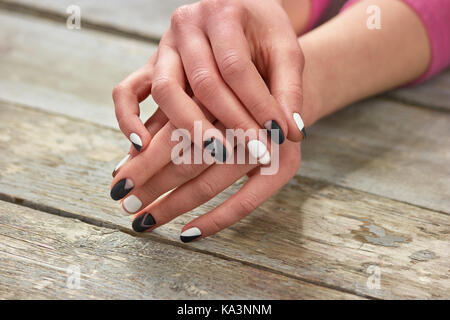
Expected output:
(168, 92)
(285, 75)
(153, 125)
(255, 191)
(232, 53)
(127, 95)
(169, 177)
(209, 87)
(189, 196)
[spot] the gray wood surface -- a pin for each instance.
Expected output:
(150, 18)
(325, 234)
(45, 65)
(385, 148)
(40, 255)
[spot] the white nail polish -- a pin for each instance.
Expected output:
(122, 162)
(136, 140)
(259, 151)
(132, 204)
(122, 211)
(190, 234)
(265, 159)
(299, 122)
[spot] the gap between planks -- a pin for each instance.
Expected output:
(56, 16)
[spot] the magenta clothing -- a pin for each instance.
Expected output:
(435, 15)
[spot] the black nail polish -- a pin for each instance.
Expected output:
(138, 147)
(190, 234)
(273, 125)
(143, 222)
(121, 189)
(216, 149)
(304, 133)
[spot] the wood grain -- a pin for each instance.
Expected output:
(385, 148)
(325, 234)
(47, 66)
(433, 93)
(39, 251)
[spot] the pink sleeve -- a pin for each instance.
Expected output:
(435, 15)
(318, 7)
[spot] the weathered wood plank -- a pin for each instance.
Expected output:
(433, 93)
(47, 66)
(149, 18)
(310, 230)
(38, 251)
(385, 148)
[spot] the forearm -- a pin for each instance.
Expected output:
(346, 62)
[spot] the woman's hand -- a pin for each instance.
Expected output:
(196, 184)
(240, 58)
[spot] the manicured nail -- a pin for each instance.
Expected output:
(273, 125)
(136, 141)
(121, 189)
(190, 234)
(299, 122)
(216, 149)
(131, 204)
(258, 150)
(143, 222)
(121, 163)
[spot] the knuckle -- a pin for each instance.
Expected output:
(186, 170)
(232, 64)
(161, 88)
(249, 203)
(203, 83)
(181, 15)
(118, 90)
(227, 8)
(206, 189)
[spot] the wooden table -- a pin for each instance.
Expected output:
(370, 202)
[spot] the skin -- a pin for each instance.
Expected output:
(345, 62)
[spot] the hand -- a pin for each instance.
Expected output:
(229, 50)
(196, 184)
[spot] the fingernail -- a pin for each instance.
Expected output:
(121, 163)
(121, 189)
(132, 204)
(190, 234)
(258, 150)
(136, 141)
(216, 149)
(143, 222)
(299, 122)
(273, 125)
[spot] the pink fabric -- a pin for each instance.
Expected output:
(435, 15)
(318, 8)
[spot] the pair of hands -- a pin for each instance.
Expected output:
(228, 64)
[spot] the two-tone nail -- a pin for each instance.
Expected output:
(120, 164)
(121, 188)
(217, 150)
(131, 204)
(299, 122)
(258, 150)
(190, 234)
(143, 222)
(136, 141)
(275, 132)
